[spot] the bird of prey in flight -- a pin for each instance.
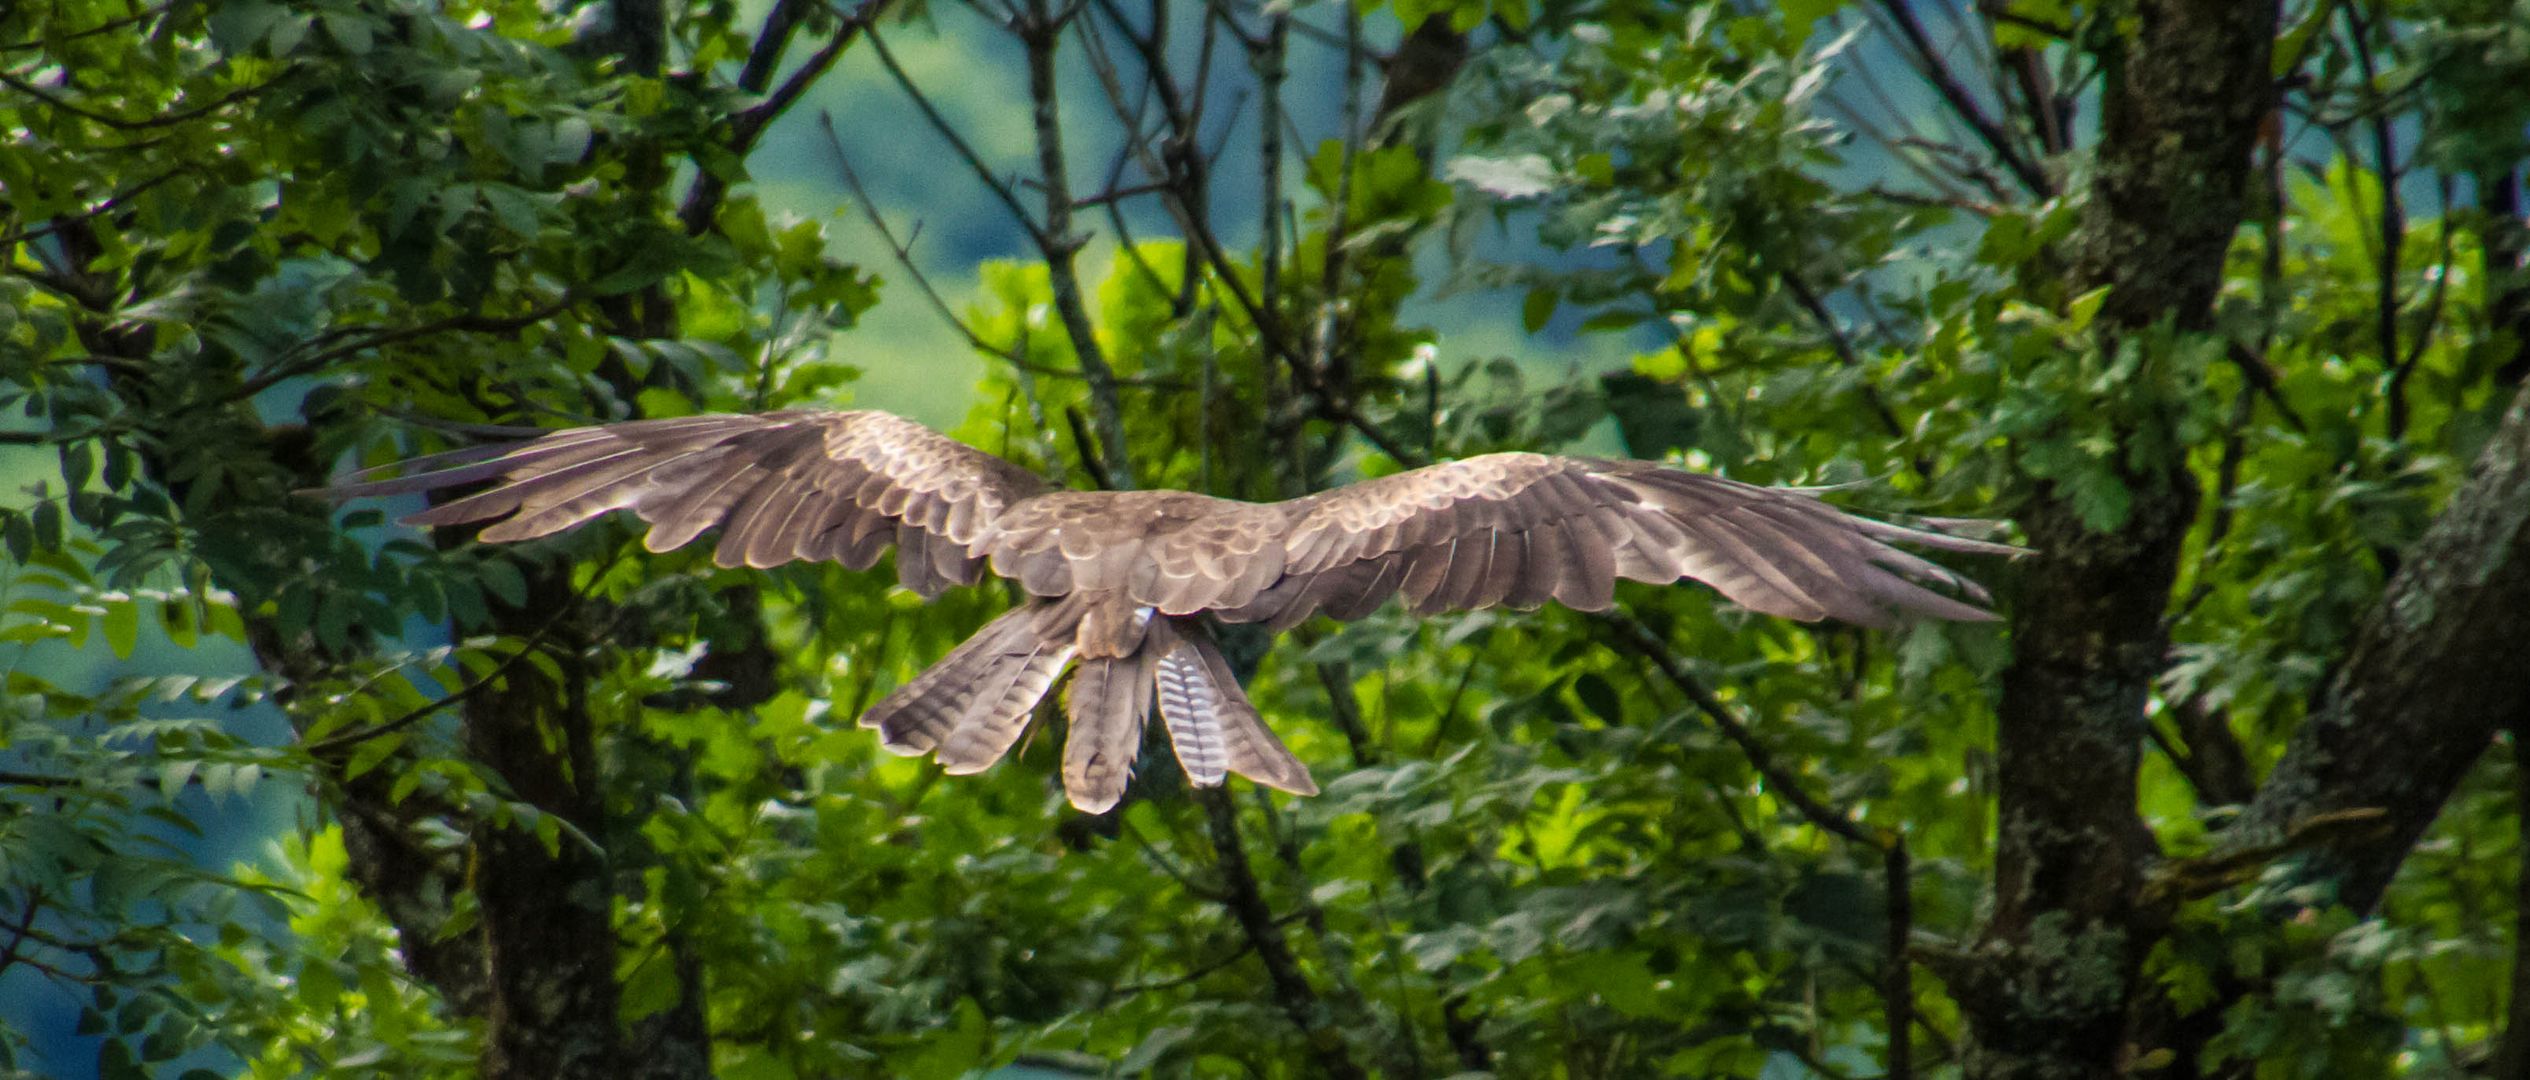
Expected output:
(1118, 580)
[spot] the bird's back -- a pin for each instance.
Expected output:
(1177, 551)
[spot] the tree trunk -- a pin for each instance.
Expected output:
(547, 914)
(2049, 989)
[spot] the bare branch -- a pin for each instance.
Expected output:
(940, 124)
(903, 249)
(1041, 31)
(1929, 64)
(704, 198)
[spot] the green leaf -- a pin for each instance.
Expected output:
(116, 1062)
(1153, 1049)
(1800, 16)
(370, 753)
(650, 988)
(174, 775)
(121, 623)
(502, 579)
(241, 25)
(48, 524)
(2083, 308)
(951, 1051)
(1536, 309)
(1600, 697)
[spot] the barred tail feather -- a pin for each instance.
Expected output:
(922, 713)
(1008, 697)
(1192, 710)
(1110, 700)
(1214, 728)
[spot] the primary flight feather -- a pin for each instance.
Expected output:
(1119, 578)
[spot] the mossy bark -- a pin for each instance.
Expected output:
(2053, 975)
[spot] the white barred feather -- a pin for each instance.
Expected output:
(1192, 708)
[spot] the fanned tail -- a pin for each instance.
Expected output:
(1211, 724)
(969, 709)
(1005, 700)
(1110, 700)
(974, 703)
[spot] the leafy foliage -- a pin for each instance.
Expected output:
(251, 242)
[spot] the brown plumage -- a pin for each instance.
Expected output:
(1121, 578)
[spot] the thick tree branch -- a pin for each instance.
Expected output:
(1040, 30)
(2433, 673)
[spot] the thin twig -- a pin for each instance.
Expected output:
(341, 740)
(902, 249)
(1897, 983)
(104, 206)
(1996, 138)
(1337, 678)
(1183, 199)
(366, 340)
(2392, 224)
(25, 927)
(1270, 70)
(1844, 347)
(120, 123)
(1780, 782)
(975, 163)
(1897, 989)
(703, 200)
(2406, 368)
(109, 26)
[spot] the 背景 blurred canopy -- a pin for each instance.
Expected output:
(2225, 305)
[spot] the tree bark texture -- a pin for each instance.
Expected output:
(2435, 671)
(547, 915)
(2048, 995)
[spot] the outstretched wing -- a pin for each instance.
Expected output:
(782, 486)
(1521, 529)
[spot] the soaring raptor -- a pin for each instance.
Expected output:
(1118, 579)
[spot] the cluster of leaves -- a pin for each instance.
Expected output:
(242, 246)
(2324, 444)
(280, 237)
